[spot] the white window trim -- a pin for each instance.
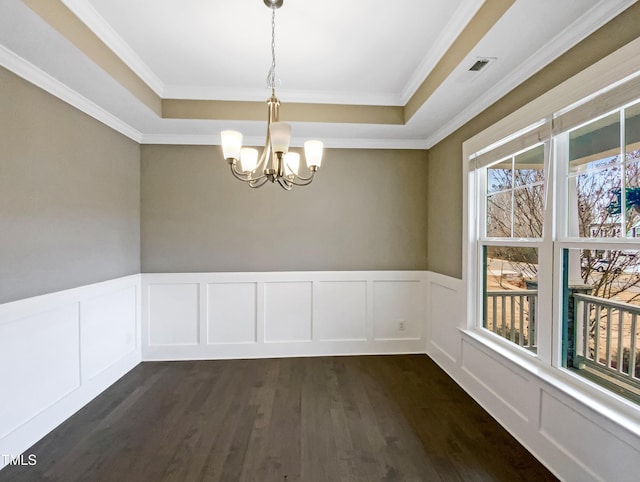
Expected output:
(621, 64)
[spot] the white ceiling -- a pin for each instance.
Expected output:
(371, 52)
(354, 51)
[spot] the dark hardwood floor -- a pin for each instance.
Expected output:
(367, 418)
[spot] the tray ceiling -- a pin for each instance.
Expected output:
(362, 73)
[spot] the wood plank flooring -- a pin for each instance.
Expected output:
(366, 418)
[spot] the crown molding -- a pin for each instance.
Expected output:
(23, 68)
(451, 32)
(576, 32)
(101, 28)
(199, 92)
(329, 143)
(182, 139)
(335, 143)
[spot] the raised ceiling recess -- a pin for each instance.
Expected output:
(362, 73)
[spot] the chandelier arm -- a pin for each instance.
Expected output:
(298, 176)
(238, 173)
(258, 182)
(237, 176)
(241, 175)
(305, 182)
(265, 158)
(262, 176)
(246, 177)
(234, 167)
(261, 166)
(284, 184)
(303, 178)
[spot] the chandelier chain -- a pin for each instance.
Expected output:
(271, 76)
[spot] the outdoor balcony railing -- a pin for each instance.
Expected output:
(511, 314)
(606, 339)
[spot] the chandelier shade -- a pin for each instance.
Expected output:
(292, 163)
(231, 144)
(280, 135)
(248, 159)
(313, 153)
(275, 163)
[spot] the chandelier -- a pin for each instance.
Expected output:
(275, 163)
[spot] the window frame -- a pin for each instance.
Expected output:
(615, 69)
(550, 317)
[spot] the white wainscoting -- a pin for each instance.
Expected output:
(58, 351)
(576, 433)
(188, 316)
(63, 349)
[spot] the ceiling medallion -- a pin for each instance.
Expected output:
(276, 163)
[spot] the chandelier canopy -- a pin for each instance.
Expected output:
(275, 163)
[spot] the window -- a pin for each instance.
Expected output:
(511, 227)
(602, 318)
(515, 195)
(601, 278)
(556, 260)
(510, 293)
(593, 179)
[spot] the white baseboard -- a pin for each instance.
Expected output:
(59, 351)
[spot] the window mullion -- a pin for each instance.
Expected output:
(544, 321)
(513, 197)
(623, 176)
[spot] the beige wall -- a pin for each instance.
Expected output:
(366, 210)
(445, 158)
(70, 205)
(69, 195)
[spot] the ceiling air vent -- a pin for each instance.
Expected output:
(481, 64)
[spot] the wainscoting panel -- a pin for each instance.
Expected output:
(573, 433)
(175, 310)
(287, 311)
(445, 311)
(107, 330)
(502, 382)
(573, 429)
(41, 364)
(399, 308)
(231, 313)
(253, 315)
(58, 351)
(342, 311)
